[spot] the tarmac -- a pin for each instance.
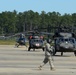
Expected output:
(20, 61)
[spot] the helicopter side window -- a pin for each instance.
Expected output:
(71, 40)
(61, 40)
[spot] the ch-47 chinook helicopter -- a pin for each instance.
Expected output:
(64, 42)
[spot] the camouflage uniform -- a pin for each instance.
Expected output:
(48, 57)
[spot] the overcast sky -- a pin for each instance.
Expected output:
(61, 6)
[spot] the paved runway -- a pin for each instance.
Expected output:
(18, 61)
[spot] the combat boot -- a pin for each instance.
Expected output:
(40, 67)
(52, 68)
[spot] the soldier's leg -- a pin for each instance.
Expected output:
(51, 64)
(44, 62)
(40, 67)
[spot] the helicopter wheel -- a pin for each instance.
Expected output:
(29, 49)
(43, 49)
(75, 53)
(61, 53)
(54, 52)
(34, 49)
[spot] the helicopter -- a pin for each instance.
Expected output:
(36, 41)
(21, 41)
(64, 38)
(32, 38)
(64, 41)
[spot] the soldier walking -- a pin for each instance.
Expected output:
(48, 56)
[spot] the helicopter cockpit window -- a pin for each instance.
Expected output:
(37, 40)
(66, 40)
(40, 41)
(61, 40)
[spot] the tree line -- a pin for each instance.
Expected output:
(14, 22)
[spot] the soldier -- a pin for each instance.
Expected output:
(48, 56)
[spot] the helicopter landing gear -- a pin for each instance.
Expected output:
(29, 49)
(54, 52)
(34, 49)
(43, 49)
(17, 45)
(75, 53)
(61, 53)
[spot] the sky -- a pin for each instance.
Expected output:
(61, 6)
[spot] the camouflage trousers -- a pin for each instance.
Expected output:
(46, 60)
